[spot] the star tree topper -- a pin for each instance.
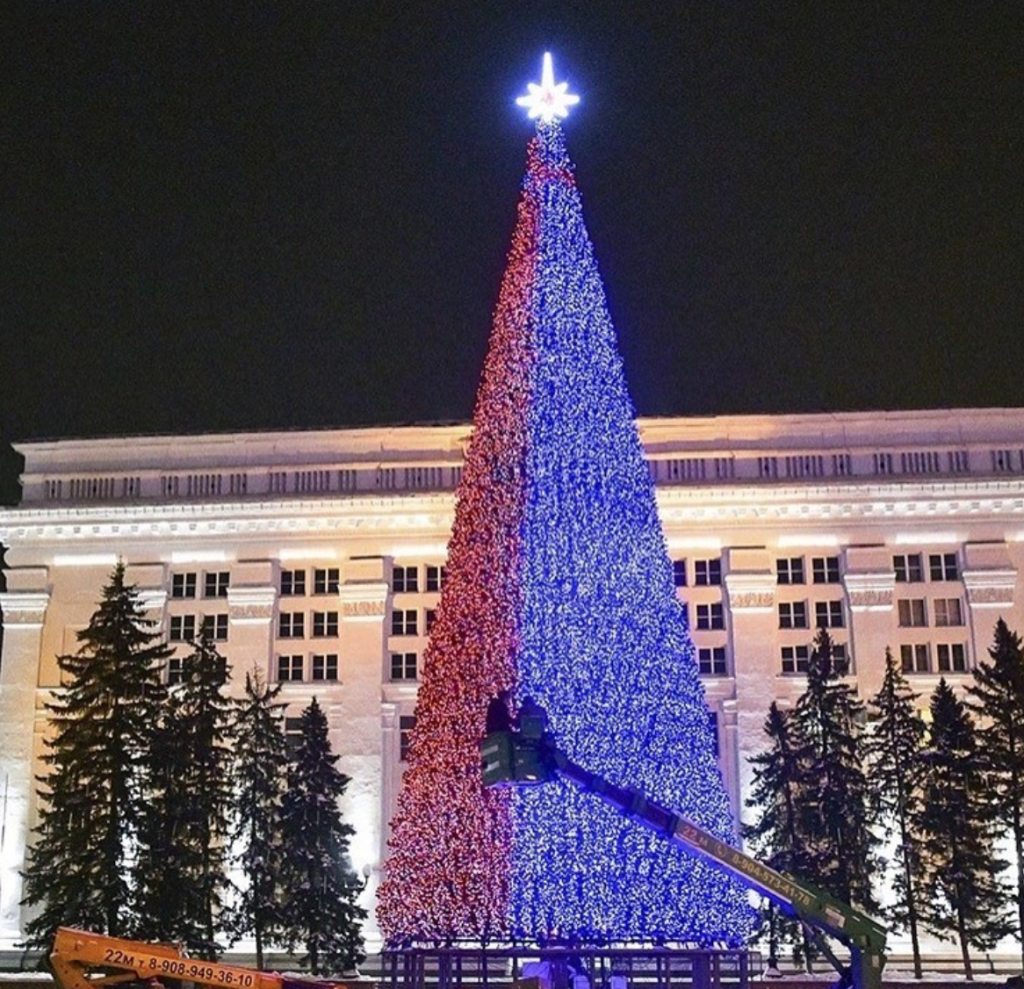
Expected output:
(547, 100)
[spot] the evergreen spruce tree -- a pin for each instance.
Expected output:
(322, 886)
(962, 897)
(261, 765)
(160, 898)
(182, 877)
(892, 752)
(999, 694)
(828, 718)
(779, 836)
(91, 797)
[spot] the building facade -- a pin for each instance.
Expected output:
(319, 557)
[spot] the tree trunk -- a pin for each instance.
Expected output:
(1018, 842)
(965, 950)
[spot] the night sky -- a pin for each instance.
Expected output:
(226, 216)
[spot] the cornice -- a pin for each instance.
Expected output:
(363, 602)
(406, 514)
(419, 513)
(990, 588)
(26, 609)
(251, 605)
(751, 592)
(906, 501)
(152, 599)
(870, 590)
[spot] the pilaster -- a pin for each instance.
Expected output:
(24, 612)
(870, 594)
(750, 585)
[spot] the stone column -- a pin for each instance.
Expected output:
(750, 585)
(363, 598)
(250, 614)
(990, 595)
(23, 612)
(870, 589)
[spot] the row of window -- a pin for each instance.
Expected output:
(950, 657)
(183, 627)
(406, 621)
(795, 659)
(827, 614)
(791, 570)
(710, 617)
(913, 612)
(909, 567)
(326, 580)
(706, 573)
(215, 584)
(321, 668)
(406, 579)
(292, 625)
(824, 570)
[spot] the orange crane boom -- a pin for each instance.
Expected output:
(84, 960)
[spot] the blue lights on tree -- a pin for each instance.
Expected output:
(560, 587)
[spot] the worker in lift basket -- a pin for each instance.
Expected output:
(499, 715)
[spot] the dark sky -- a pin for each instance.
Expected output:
(220, 216)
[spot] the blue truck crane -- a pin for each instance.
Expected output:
(527, 755)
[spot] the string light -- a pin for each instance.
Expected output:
(559, 586)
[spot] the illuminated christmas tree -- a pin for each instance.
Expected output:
(558, 586)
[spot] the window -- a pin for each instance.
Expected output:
(429, 617)
(183, 628)
(293, 583)
(406, 724)
(404, 665)
(914, 659)
(326, 581)
(215, 627)
(840, 659)
(405, 579)
(215, 585)
(183, 585)
(707, 573)
(908, 568)
(710, 617)
(942, 566)
(291, 625)
(825, 569)
(790, 570)
(293, 733)
(679, 573)
(912, 612)
(686, 612)
(948, 612)
(289, 669)
(403, 622)
(325, 667)
(951, 658)
(175, 670)
(711, 662)
(435, 577)
(325, 624)
(795, 659)
(828, 614)
(793, 614)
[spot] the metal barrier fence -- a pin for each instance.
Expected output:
(566, 968)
